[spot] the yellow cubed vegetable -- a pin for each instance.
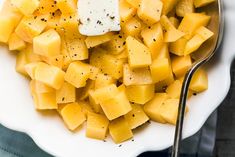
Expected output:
(161, 86)
(120, 130)
(73, 116)
(66, 6)
(169, 110)
(93, 41)
(138, 76)
(40, 87)
(126, 11)
(164, 52)
(132, 27)
(153, 38)
(199, 82)
(191, 22)
(140, 94)
(66, 94)
(160, 69)
(27, 7)
(178, 46)
(46, 101)
(30, 68)
(103, 80)
(180, 65)
(6, 28)
(100, 95)
(139, 55)
(150, 11)
(201, 3)
(116, 45)
(136, 117)
(77, 49)
(30, 55)
(134, 3)
(168, 6)
(47, 6)
(57, 61)
(174, 89)
(77, 74)
(184, 7)
(15, 42)
(97, 126)
(118, 105)
(171, 34)
(47, 44)
(21, 61)
(174, 21)
(86, 107)
(50, 75)
(84, 92)
(202, 34)
(69, 22)
(153, 107)
(94, 73)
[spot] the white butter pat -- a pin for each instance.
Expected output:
(98, 17)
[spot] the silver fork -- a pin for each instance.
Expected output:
(203, 55)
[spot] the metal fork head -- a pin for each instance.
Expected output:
(201, 56)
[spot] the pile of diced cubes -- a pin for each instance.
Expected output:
(115, 82)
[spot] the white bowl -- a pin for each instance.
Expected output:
(48, 131)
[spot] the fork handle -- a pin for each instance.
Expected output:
(181, 110)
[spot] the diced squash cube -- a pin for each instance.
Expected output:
(57, 61)
(202, 34)
(15, 42)
(86, 107)
(77, 74)
(116, 106)
(178, 46)
(174, 89)
(40, 87)
(160, 69)
(140, 94)
(168, 6)
(73, 116)
(136, 117)
(171, 34)
(27, 7)
(6, 28)
(47, 44)
(138, 54)
(69, 22)
(100, 95)
(164, 52)
(21, 61)
(96, 55)
(30, 27)
(30, 68)
(30, 55)
(153, 38)
(50, 75)
(47, 6)
(97, 126)
(84, 92)
(174, 21)
(169, 110)
(66, 94)
(93, 41)
(132, 27)
(46, 101)
(103, 80)
(94, 73)
(134, 3)
(161, 86)
(120, 130)
(184, 7)
(152, 108)
(191, 22)
(77, 49)
(199, 82)
(150, 11)
(201, 3)
(66, 6)
(53, 21)
(116, 45)
(123, 55)
(138, 76)
(180, 65)
(126, 11)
